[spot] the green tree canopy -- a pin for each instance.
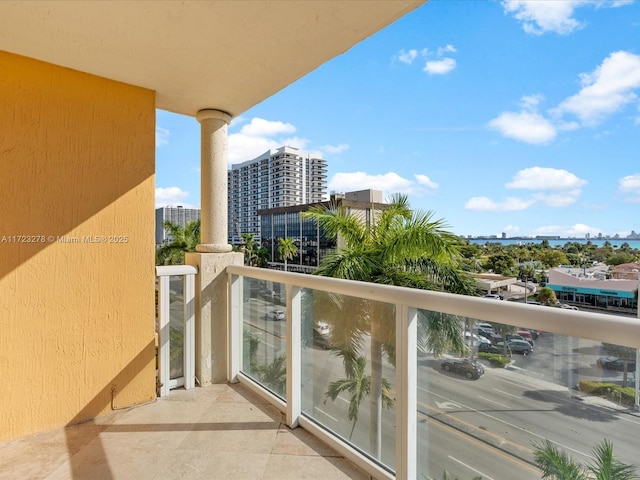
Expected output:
(181, 240)
(398, 247)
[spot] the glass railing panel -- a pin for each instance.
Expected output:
(176, 326)
(347, 349)
(264, 332)
(484, 419)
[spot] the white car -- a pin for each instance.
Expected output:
(275, 315)
(476, 338)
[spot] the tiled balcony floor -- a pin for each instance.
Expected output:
(216, 432)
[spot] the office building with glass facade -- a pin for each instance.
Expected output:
(312, 242)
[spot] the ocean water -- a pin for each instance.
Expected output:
(556, 243)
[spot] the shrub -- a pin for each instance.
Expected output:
(495, 359)
(611, 391)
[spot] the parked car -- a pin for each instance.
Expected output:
(494, 297)
(568, 307)
(321, 339)
(517, 336)
(275, 315)
(489, 348)
(534, 333)
(517, 346)
(476, 339)
(526, 334)
(615, 363)
(489, 334)
(485, 325)
(463, 366)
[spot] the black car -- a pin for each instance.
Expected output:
(615, 363)
(489, 348)
(463, 366)
(488, 334)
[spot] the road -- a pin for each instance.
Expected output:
(483, 427)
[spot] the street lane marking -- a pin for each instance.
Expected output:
(486, 446)
(483, 475)
(517, 427)
(326, 414)
(507, 393)
(492, 401)
(444, 405)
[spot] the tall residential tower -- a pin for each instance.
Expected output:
(282, 178)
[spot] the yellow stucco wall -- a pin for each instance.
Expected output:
(76, 316)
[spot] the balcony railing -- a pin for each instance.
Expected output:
(175, 326)
(311, 345)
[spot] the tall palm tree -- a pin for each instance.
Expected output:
(287, 249)
(182, 240)
(399, 247)
(557, 465)
(249, 248)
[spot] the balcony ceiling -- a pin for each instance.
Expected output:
(227, 55)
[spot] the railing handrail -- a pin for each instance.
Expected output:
(618, 330)
(168, 270)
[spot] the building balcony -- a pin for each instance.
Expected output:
(291, 396)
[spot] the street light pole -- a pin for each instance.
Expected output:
(636, 404)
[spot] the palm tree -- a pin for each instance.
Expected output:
(358, 384)
(182, 240)
(557, 465)
(399, 247)
(274, 374)
(287, 249)
(249, 248)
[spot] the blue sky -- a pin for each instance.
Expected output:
(520, 117)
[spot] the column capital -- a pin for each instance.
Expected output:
(212, 114)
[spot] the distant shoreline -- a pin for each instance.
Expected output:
(555, 242)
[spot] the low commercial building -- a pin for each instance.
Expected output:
(591, 288)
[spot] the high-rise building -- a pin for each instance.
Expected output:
(282, 178)
(178, 215)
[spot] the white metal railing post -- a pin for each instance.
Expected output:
(164, 363)
(406, 392)
(189, 332)
(294, 354)
(235, 339)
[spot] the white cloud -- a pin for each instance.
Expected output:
(525, 126)
(630, 186)
(446, 49)
(407, 57)
(539, 17)
(485, 204)
(259, 127)
(440, 67)
(388, 183)
(260, 135)
(334, 149)
(577, 230)
(162, 136)
(426, 181)
(171, 196)
(562, 199)
(606, 90)
(539, 178)
(511, 229)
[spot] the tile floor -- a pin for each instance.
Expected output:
(216, 432)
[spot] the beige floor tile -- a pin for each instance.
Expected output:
(99, 462)
(26, 460)
(296, 467)
(300, 442)
(214, 465)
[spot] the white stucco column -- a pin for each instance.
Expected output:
(213, 181)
